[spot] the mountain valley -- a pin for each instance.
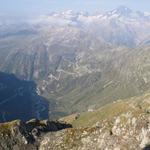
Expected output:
(80, 61)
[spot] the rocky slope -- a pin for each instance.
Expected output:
(117, 126)
(122, 125)
(18, 135)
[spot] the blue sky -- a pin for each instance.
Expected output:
(36, 7)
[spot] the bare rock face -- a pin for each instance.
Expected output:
(13, 135)
(127, 133)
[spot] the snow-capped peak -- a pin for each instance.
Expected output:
(70, 17)
(122, 11)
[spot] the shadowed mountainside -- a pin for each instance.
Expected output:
(19, 100)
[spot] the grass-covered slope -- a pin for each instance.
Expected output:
(134, 105)
(123, 73)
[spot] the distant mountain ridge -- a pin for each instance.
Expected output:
(121, 26)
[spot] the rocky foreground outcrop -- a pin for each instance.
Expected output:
(127, 132)
(122, 125)
(18, 135)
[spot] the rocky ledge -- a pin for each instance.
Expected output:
(18, 135)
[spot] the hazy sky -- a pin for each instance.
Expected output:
(36, 7)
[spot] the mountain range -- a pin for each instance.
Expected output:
(88, 72)
(80, 61)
